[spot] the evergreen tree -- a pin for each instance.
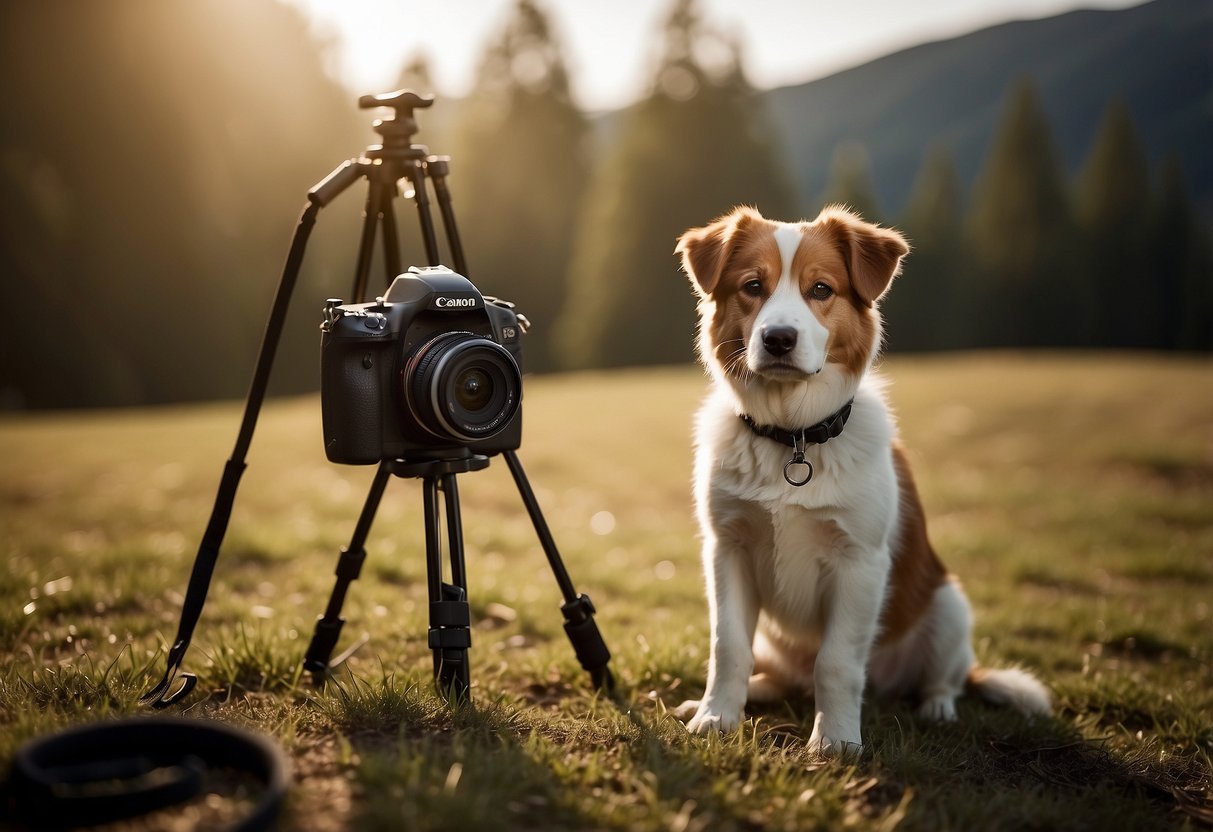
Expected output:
(930, 306)
(850, 181)
(1111, 201)
(936, 205)
(1022, 235)
(518, 174)
(1181, 261)
(155, 163)
(690, 151)
(415, 75)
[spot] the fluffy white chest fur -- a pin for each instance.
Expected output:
(792, 535)
(828, 585)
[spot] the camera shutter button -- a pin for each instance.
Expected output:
(373, 321)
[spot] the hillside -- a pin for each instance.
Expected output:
(1157, 57)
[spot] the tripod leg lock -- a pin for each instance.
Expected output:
(583, 632)
(451, 638)
(324, 641)
(349, 565)
(450, 614)
(450, 620)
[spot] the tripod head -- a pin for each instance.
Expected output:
(398, 131)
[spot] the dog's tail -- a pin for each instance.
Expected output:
(1014, 687)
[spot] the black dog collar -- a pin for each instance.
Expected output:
(798, 440)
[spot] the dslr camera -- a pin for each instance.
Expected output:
(431, 367)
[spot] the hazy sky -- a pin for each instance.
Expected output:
(610, 44)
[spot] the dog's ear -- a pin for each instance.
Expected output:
(705, 251)
(872, 254)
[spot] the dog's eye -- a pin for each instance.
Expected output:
(820, 291)
(752, 287)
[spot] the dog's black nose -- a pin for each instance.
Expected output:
(779, 340)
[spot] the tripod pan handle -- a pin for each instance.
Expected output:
(402, 101)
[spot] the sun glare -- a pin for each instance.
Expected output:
(610, 47)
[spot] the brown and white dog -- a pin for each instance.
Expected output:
(828, 584)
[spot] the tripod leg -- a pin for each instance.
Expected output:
(578, 610)
(422, 197)
(366, 243)
(454, 528)
(450, 619)
(438, 167)
(212, 540)
(349, 565)
(391, 242)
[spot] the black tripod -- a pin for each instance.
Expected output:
(384, 165)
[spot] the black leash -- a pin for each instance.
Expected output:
(798, 440)
(123, 769)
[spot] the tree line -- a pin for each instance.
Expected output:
(1116, 258)
(157, 153)
(153, 158)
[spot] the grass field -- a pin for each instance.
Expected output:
(1073, 494)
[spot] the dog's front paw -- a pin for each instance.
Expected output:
(837, 741)
(703, 718)
(686, 710)
(940, 708)
(824, 746)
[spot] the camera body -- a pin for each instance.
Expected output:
(431, 368)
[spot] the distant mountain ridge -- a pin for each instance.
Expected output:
(1157, 57)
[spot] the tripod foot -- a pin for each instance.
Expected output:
(603, 679)
(450, 637)
(452, 676)
(324, 639)
(591, 650)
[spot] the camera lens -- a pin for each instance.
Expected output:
(462, 386)
(473, 389)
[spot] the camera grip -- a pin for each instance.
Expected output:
(351, 391)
